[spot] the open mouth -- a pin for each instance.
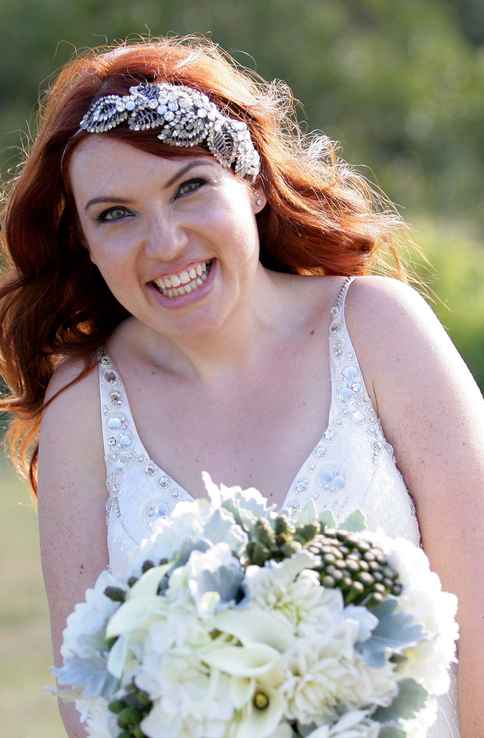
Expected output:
(185, 283)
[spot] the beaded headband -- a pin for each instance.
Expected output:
(186, 118)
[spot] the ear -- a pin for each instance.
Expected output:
(259, 199)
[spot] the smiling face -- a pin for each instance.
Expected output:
(175, 239)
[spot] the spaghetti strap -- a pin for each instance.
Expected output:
(104, 366)
(341, 298)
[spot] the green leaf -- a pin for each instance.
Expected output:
(409, 701)
(355, 522)
(389, 731)
(327, 519)
(395, 631)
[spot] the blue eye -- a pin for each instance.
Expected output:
(191, 185)
(112, 214)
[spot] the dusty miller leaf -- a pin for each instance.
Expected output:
(409, 701)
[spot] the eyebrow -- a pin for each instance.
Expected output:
(171, 181)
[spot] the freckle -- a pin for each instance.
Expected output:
(81, 568)
(311, 333)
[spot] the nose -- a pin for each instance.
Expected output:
(166, 238)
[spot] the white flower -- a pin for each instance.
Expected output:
(253, 626)
(293, 590)
(97, 718)
(185, 523)
(221, 527)
(84, 632)
(419, 727)
(434, 609)
(182, 632)
(213, 577)
(192, 703)
(352, 725)
(264, 709)
(369, 685)
(245, 505)
(325, 672)
(250, 498)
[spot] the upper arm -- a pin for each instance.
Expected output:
(71, 494)
(432, 412)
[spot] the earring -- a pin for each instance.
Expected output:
(258, 202)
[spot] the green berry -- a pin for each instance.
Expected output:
(116, 706)
(366, 578)
(128, 717)
(289, 549)
(116, 594)
(109, 642)
(263, 533)
(281, 525)
(352, 565)
(260, 554)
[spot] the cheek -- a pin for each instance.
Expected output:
(109, 255)
(232, 222)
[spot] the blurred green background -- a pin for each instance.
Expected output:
(399, 84)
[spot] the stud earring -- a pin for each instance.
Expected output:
(258, 202)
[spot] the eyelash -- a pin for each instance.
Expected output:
(102, 217)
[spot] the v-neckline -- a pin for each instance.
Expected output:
(158, 470)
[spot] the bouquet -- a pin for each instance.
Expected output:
(236, 621)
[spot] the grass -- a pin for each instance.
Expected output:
(28, 710)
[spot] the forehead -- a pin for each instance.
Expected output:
(98, 162)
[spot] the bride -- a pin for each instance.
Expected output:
(211, 300)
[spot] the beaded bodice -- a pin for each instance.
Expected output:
(351, 467)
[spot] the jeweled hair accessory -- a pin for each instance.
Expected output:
(186, 118)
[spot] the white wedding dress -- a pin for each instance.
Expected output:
(352, 466)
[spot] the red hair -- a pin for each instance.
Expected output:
(321, 217)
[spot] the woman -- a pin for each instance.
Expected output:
(226, 288)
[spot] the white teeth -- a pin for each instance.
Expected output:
(183, 278)
(175, 285)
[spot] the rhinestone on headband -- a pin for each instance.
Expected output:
(186, 118)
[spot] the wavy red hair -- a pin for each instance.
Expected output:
(321, 218)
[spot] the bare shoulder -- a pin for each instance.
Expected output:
(71, 494)
(404, 347)
(432, 412)
(71, 421)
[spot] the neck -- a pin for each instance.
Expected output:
(237, 346)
